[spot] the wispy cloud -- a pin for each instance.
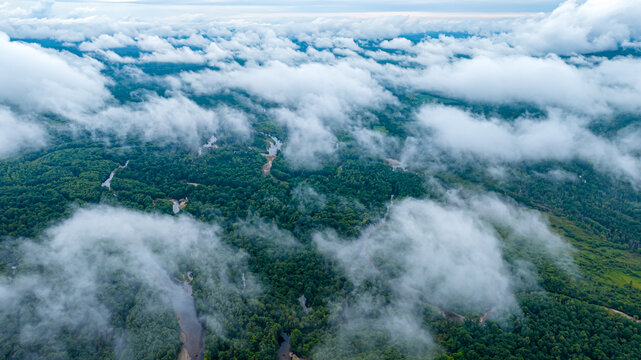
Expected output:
(446, 255)
(82, 261)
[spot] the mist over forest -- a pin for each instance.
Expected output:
(320, 180)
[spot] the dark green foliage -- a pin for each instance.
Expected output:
(552, 327)
(39, 188)
(567, 320)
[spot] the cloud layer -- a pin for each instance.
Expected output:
(45, 81)
(558, 137)
(17, 135)
(80, 260)
(445, 255)
(326, 80)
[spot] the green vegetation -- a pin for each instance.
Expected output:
(566, 318)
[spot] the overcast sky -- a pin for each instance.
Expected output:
(247, 7)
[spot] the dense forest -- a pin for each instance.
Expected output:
(566, 317)
(364, 188)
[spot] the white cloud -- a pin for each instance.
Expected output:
(308, 140)
(105, 41)
(48, 81)
(375, 143)
(335, 88)
(17, 135)
(457, 267)
(181, 55)
(327, 86)
(35, 9)
(559, 175)
(153, 47)
(396, 43)
(558, 137)
(590, 89)
(175, 119)
(313, 99)
(81, 258)
(580, 26)
(45, 81)
(417, 258)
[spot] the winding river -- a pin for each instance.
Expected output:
(285, 349)
(274, 147)
(107, 183)
(272, 151)
(176, 205)
(210, 144)
(192, 333)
